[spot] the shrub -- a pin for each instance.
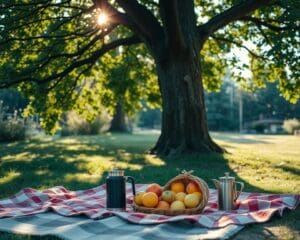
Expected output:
(12, 126)
(291, 125)
(259, 128)
(74, 124)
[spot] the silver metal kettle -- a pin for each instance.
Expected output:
(227, 193)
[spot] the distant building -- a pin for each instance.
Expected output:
(271, 126)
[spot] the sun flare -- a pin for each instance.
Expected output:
(102, 19)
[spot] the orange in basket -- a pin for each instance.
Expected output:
(177, 187)
(163, 205)
(150, 199)
(185, 194)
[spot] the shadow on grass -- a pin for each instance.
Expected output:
(83, 162)
(75, 163)
(240, 138)
(291, 170)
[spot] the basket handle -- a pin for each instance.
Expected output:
(187, 172)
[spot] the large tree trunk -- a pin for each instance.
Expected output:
(119, 123)
(184, 124)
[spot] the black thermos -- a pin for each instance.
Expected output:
(116, 189)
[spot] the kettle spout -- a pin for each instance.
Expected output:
(217, 183)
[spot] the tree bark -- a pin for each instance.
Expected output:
(184, 124)
(118, 123)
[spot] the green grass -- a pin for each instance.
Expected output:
(264, 163)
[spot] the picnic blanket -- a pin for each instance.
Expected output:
(251, 208)
(111, 228)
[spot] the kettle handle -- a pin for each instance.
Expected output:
(217, 183)
(237, 193)
(132, 180)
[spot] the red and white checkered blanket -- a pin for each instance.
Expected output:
(252, 207)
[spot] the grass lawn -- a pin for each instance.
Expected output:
(264, 163)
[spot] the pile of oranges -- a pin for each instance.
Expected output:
(180, 196)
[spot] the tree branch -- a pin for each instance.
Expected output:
(148, 26)
(232, 14)
(90, 60)
(151, 3)
(63, 36)
(75, 82)
(272, 27)
(113, 14)
(78, 53)
(40, 7)
(37, 11)
(28, 23)
(239, 45)
(43, 3)
(261, 30)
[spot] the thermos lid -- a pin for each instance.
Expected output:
(116, 172)
(227, 177)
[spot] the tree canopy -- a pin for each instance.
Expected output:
(58, 55)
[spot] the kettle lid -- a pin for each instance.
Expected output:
(227, 177)
(116, 172)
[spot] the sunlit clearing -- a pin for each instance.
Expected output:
(155, 161)
(23, 156)
(102, 19)
(81, 177)
(9, 176)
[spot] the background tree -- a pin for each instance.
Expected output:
(54, 47)
(149, 118)
(130, 79)
(266, 103)
(222, 107)
(262, 103)
(12, 100)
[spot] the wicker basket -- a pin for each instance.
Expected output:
(185, 177)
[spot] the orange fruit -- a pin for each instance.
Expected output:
(168, 196)
(163, 205)
(138, 198)
(177, 187)
(150, 199)
(180, 196)
(177, 205)
(192, 187)
(191, 200)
